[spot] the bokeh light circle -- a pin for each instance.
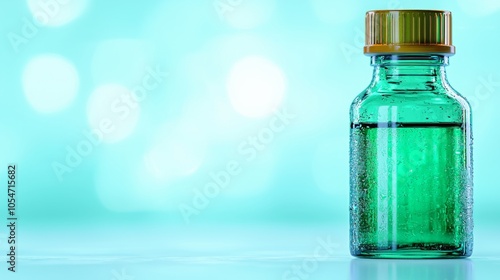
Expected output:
(177, 151)
(50, 83)
(56, 12)
(256, 86)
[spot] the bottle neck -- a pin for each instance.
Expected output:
(409, 72)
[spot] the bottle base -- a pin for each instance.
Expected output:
(414, 251)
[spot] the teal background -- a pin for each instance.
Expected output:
(136, 191)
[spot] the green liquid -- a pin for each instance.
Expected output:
(411, 190)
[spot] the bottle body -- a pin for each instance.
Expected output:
(410, 163)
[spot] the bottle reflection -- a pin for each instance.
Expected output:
(385, 269)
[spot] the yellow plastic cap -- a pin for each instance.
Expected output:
(408, 32)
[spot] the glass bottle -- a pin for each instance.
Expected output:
(410, 144)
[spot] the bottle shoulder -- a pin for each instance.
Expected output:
(438, 95)
(442, 103)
